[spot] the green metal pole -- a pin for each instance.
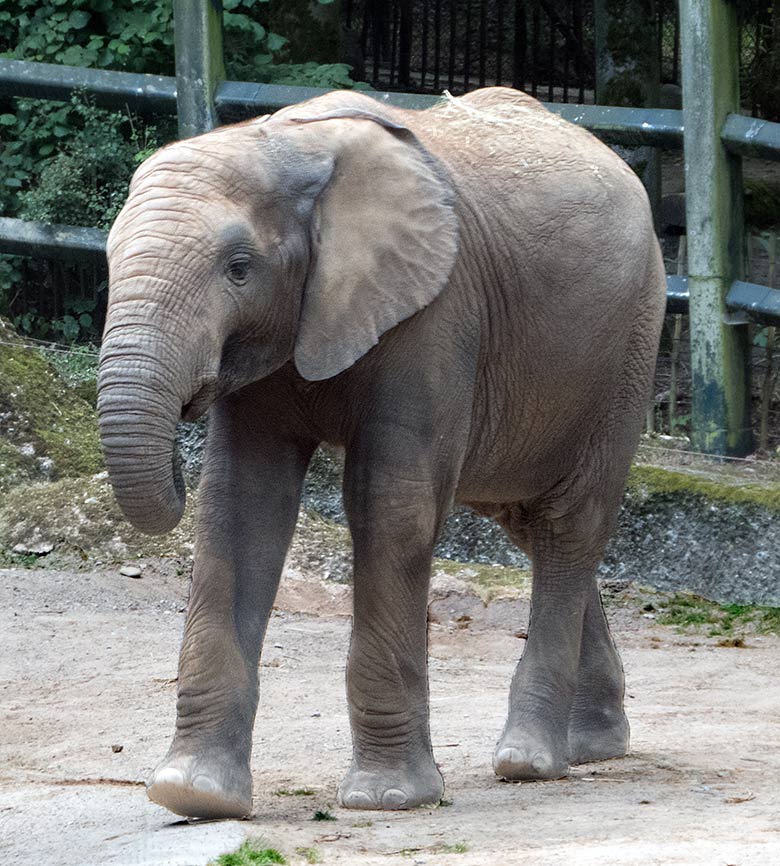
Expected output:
(199, 63)
(713, 187)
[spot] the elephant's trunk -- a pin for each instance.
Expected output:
(139, 404)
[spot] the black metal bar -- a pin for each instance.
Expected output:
(500, 41)
(536, 21)
(551, 63)
(453, 44)
(46, 241)
(482, 40)
(377, 32)
(579, 31)
(521, 34)
(467, 50)
(425, 29)
(405, 28)
(140, 93)
(394, 42)
(437, 45)
(751, 136)
(566, 57)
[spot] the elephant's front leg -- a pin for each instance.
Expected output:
(249, 499)
(394, 508)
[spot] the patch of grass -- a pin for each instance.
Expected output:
(454, 848)
(294, 792)
(686, 610)
(323, 815)
(250, 855)
(489, 581)
(310, 855)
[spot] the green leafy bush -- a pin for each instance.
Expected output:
(70, 163)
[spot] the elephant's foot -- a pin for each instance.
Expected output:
(524, 755)
(597, 737)
(392, 789)
(202, 787)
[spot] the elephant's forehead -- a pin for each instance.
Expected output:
(217, 161)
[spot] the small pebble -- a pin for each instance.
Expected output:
(117, 747)
(130, 571)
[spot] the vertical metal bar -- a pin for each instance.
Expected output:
(551, 62)
(394, 43)
(424, 58)
(437, 46)
(405, 28)
(521, 37)
(453, 42)
(482, 40)
(500, 42)
(377, 28)
(579, 32)
(535, 26)
(467, 46)
(713, 186)
(566, 53)
(199, 63)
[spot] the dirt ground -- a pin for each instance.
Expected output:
(87, 665)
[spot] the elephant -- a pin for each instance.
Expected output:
(468, 299)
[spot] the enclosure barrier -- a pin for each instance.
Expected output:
(710, 129)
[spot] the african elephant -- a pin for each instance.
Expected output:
(469, 300)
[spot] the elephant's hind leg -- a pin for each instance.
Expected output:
(598, 727)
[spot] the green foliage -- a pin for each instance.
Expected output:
(249, 855)
(687, 611)
(323, 815)
(70, 163)
(310, 855)
(131, 35)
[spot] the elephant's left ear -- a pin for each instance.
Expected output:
(386, 238)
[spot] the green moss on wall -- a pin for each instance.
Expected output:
(47, 430)
(648, 481)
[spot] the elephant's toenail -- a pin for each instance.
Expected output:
(393, 798)
(167, 776)
(358, 800)
(203, 783)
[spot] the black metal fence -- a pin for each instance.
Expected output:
(714, 134)
(545, 47)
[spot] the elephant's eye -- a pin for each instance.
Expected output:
(238, 269)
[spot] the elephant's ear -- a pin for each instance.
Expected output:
(385, 239)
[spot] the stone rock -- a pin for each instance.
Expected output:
(130, 571)
(38, 548)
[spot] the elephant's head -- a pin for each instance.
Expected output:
(301, 236)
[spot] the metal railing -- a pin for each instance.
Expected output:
(714, 135)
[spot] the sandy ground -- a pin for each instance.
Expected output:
(87, 662)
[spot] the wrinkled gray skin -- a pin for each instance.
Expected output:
(468, 299)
